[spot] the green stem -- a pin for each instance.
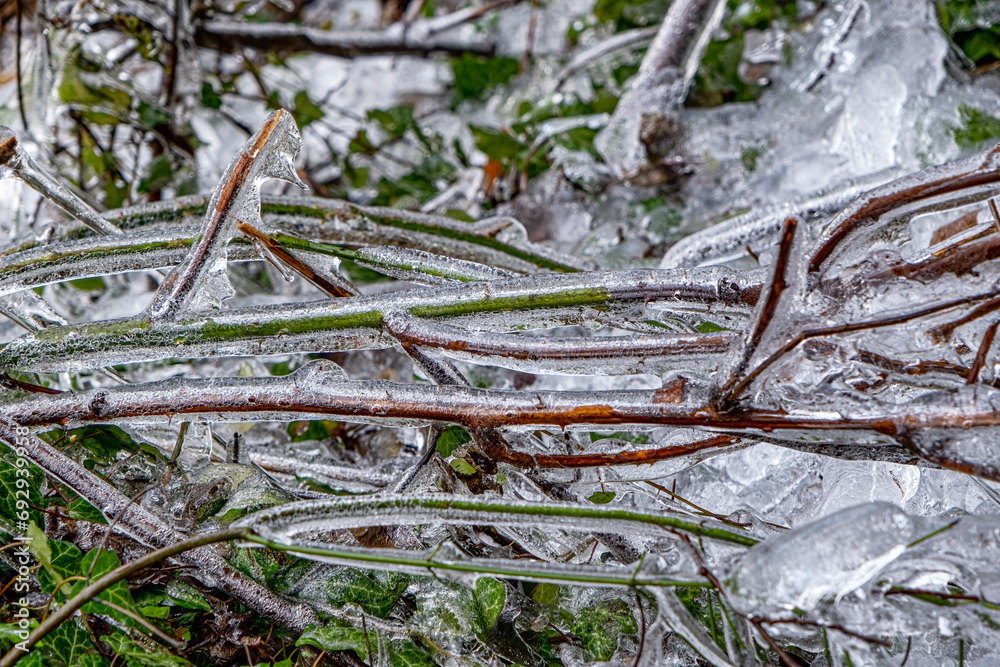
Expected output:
(298, 328)
(452, 508)
(372, 222)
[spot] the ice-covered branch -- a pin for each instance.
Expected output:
(22, 165)
(229, 36)
(605, 354)
(661, 84)
(355, 323)
(952, 430)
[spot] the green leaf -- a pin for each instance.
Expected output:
(361, 144)
(67, 644)
(161, 172)
(637, 438)
(546, 594)
(491, 596)
(209, 97)
(81, 510)
(88, 284)
(497, 144)
(395, 120)
(600, 626)
(306, 110)
(40, 548)
(451, 438)
(155, 612)
(103, 443)
(407, 654)
(75, 88)
(91, 660)
(10, 634)
(135, 656)
(337, 636)
(150, 116)
(374, 591)
(977, 127)
(601, 497)
(476, 77)
(98, 562)
(9, 487)
(317, 429)
(250, 497)
(180, 594)
(463, 467)
(709, 327)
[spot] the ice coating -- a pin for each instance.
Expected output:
(352, 324)
(270, 153)
(823, 561)
(423, 267)
(856, 364)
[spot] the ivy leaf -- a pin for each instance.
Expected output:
(409, 655)
(38, 544)
(180, 594)
(601, 497)
(135, 656)
(67, 644)
(81, 510)
(451, 438)
(9, 492)
(99, 562)
(599, 627)
(490, 596)
(376, 592)
(545, 594)
(306, 111)
(336, 636)
(476, 76)
(977, 127)
(103, 443)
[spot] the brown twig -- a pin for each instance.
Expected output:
(779, 282)
(977, 170)
(293, 262)
(601, 459)
(859, 326)
(984, 349)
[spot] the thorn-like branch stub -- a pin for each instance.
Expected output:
(22, 165)
(268, 154)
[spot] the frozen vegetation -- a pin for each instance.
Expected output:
(528, 333)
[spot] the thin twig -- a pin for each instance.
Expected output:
(981, 354)
(233, 36)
